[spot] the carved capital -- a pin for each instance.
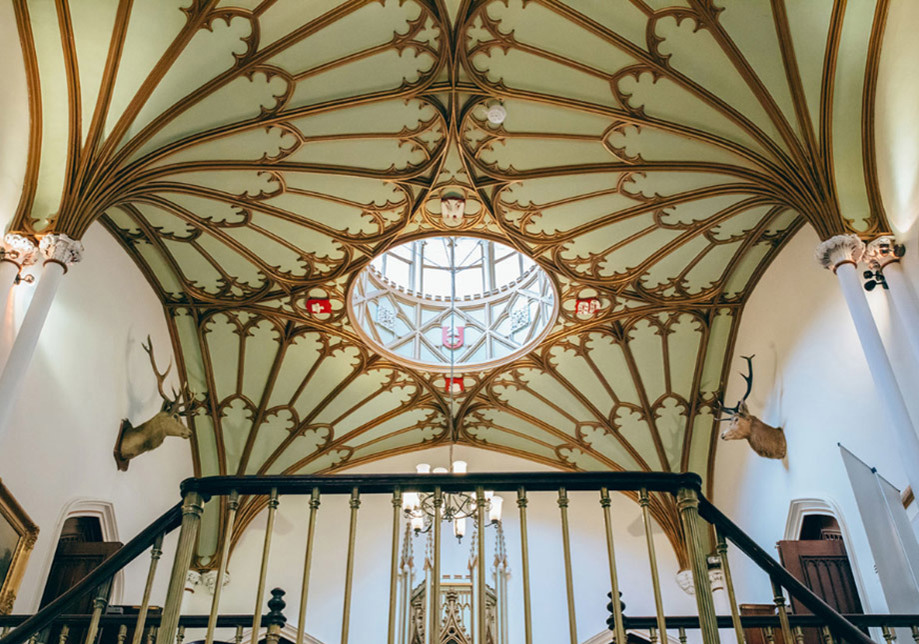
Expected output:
(882, 251)
(61, 249)
(192, 580)
(716, 579)
(841, 249)
(20, 249)
(209, 580)
(685, 582)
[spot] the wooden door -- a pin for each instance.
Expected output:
(823, 566)
(74, 560)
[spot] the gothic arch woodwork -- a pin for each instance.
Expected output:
(252, 155)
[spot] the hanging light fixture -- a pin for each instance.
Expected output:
(456, 508)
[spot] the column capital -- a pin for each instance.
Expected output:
(883, 251)
(840, 249)
(685, 581)
(61, 249)
(19, 249)
(716, 579)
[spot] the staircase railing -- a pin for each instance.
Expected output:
(685, 489)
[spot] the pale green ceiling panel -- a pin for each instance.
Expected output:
(809, 27)
(694, 52)
(253, 157)
(848, 145)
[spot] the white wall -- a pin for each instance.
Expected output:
(88, 373)
(812, 379)
(811, 375)
(371, 590)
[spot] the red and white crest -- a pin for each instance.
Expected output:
(317, 306)
(454, 385)
(453, 337)
(587, 306)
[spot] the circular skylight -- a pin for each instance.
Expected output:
(453, 303)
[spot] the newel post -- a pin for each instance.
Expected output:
(688, 503)
(188, 534)
(275, 620)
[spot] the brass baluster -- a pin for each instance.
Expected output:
(434, 620)
(122, 633)
(180, 635)
(481, 626)
(652, 635)
(307, 562)
(769, 633)
(238, 638)
(355, 504)
(3, 631)
(263, 573)
(525, 556)
(33, 639)
(645, 502)
(827, 635)
(155, 553)
(188, 534)
(65, 633)
(569, 580)
(99, 604)
(779, 599)
(722, 549)
(151, 634)
(681, 634)
(232, 507)
(889, 635)
(393, 565)
(688, 503)
(799, 635)
(619, 629)
(915, 632)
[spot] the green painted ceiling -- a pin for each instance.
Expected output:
(251, 155)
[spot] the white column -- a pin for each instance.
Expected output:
(59, 251)
(17, 253)
(880, 255)
(841, 254)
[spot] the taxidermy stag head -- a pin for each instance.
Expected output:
(134, 441)
(766, 440)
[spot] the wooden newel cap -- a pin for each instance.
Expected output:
(275, 605)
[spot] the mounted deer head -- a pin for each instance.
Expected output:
(766, 440)
(134, 441)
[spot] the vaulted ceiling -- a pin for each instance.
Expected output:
(254, 154)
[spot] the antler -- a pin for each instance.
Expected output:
(160, 377)
(720, 406)
(748, 378)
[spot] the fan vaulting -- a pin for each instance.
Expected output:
(254, 155)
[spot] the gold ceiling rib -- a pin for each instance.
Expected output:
(253, 155)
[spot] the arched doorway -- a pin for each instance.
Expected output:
(816, 555)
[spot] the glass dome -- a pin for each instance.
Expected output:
(444, 303)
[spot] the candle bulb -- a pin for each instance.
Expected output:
(494, 511)
(459, 467)
(459, 528)
(440, 470)
(417, 523)
(423, 468)
(410, 501)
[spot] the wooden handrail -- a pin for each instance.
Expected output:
(387, 483)
(167, 522)
(730, 530)
(669, 482)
